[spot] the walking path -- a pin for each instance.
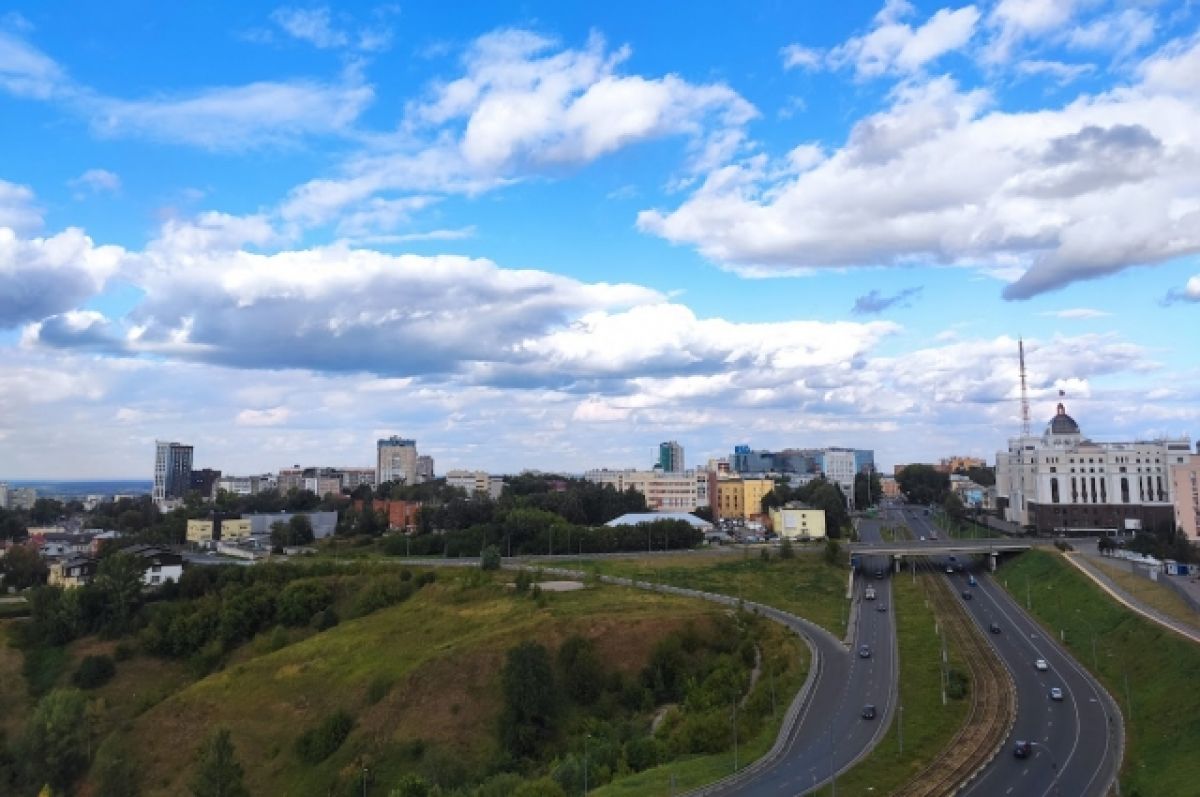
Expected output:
(1089, 569)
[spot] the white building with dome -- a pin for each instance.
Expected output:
(1062, 482)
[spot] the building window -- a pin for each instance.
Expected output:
(1054, 491)
(1124, 490)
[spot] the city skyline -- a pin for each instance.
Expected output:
(283, 234)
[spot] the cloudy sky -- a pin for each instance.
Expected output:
(543, 236)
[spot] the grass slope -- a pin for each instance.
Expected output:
(1150, 671)
(805, 585)
(928, 725)
(1157, 596)
(437, 656)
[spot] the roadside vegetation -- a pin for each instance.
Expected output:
(808, 583)
(1157, 596)
(1150, 671)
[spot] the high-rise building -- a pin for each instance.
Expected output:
(424, 468)
(172, 470)
(396, 461)
(670, 457)
(3, 495)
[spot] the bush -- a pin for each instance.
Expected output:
(643, 753)
(94, 672)
(300, 600)
(787, 550)
(411, 786)
(381, 592)
(490, 558)
(123, 651)
(317, 744)
(326, 620)
(956, 684)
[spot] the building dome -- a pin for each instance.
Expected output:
(1062, 423)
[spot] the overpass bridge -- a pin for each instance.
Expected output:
(991, 547)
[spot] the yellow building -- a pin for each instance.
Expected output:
(798, 522)
(71, 573)
(204, 531)
(740, 499)
(199, 531)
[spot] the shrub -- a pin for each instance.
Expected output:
(411, 786)
(490, 558)
(956, 684)
(94, 672)
(300, 600)
(317, 744)
(643, 753)
(502, 785)
(326, 620)
(381, 592)
(123, 651)
(787, 550)
(523, 581)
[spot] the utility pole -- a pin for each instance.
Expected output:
(900, 729)
(735, 744)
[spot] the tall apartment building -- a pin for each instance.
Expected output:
(664, 492)
(1062, 481)
(323, 480)
(424, 468)
(670, 457)
(172, 470)
(1185, 486)
(396, 460)
(3, 495)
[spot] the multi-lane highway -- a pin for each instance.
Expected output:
(832, 734)
(1076, 742)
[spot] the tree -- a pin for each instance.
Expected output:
(1106, 545)
(301, 529)
(867, 489)
(489, 559)
(833, 551)
(22, 567)
(581, 670)
(953, 506)
(56, 739)
(923, 484)
(787, 550)
(531, 704)
(119, 579)
(45, 510)
(218, 773)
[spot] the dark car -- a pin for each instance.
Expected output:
(878, 574)
(868, 712)
(1022, 749)
(864, 652)
(881, 607)
(994, 628)
(966, 595)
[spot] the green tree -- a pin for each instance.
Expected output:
(787, 550)
(218, 773)
(833, 551)
(23, 567)
(953, 506)
(867, 489)
(300, 530)
(116, 773)
(581, 670)
(489, 559)
(923, 484)
(412, 786)
(56, 739)
(279, 534)
(531, 704)
(119, 579)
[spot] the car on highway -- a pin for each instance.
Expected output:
(994, 628)
(971, 580)
(922, 538)
(879, 573)
(950, 569)
(1041, 665)
(881, 607)
(966, 593)
(868, 712)
(1022, 749)
(864, 651)
(1056, 693)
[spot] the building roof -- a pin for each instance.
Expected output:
(634, 518)
(1062, 423)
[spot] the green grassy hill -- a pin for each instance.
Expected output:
(420, 679)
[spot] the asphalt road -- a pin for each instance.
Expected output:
(1077, 741)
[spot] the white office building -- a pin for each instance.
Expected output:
(666, 492)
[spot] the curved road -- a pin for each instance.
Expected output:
(1077, 743)
(832, 734)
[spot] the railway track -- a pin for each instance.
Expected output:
(993, 702)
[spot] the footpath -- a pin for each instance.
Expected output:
(1083, 563)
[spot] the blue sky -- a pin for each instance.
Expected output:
(549, 235)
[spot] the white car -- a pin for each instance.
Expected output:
(1056, 693)
(950, 569)
(1041, 665)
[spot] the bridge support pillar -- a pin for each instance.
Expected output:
(992, 562)
(897, 562)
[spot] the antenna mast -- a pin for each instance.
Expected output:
(1024, 391)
